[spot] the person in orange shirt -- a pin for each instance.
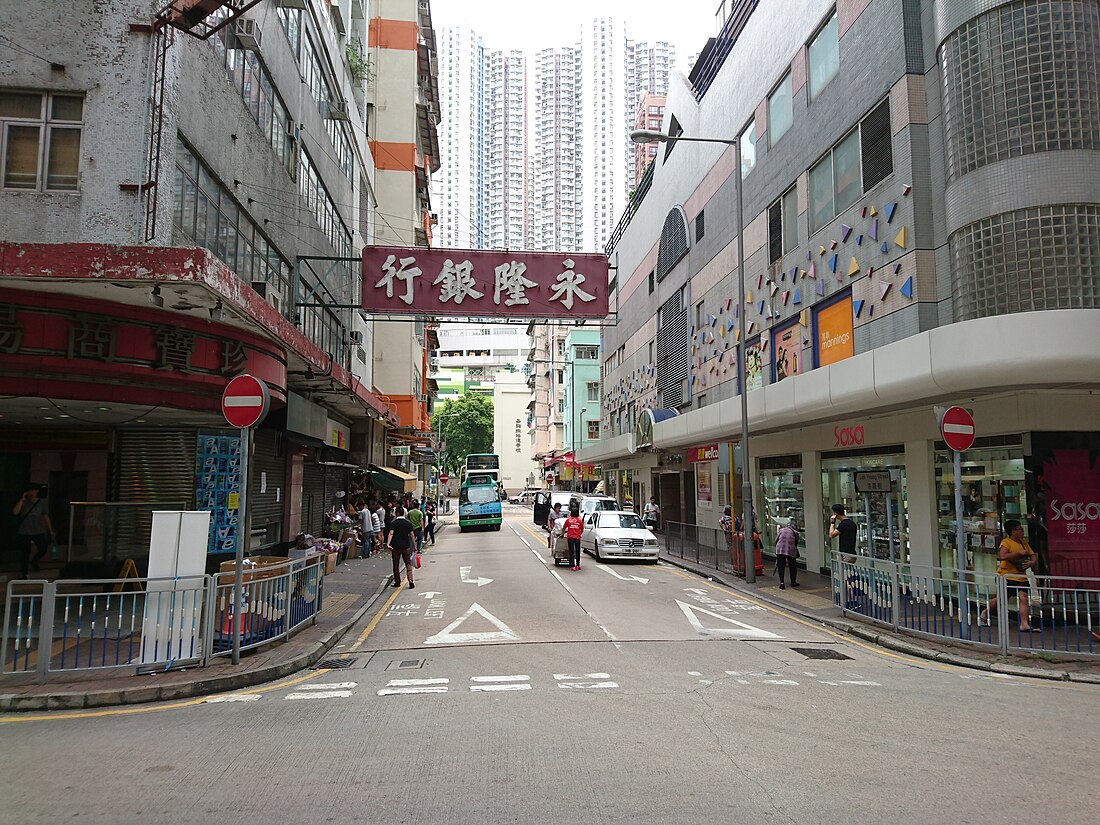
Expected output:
(573, 529)
(1014, 557)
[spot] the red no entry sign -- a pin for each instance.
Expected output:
(444, 478)
(245, 401)
(957, 428)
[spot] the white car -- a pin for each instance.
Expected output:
(618, 534)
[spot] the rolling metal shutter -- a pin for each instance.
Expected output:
(268, 459)
(313, 496)
(154, 465)
(146, 466)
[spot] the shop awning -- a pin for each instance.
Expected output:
(390, 478)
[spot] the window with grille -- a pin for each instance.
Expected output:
(674, 242)
(862, 159)
(700, 225)
(876, 145)
(775, 232)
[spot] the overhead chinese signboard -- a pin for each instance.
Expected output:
(484, 283)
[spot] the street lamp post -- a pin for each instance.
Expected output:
(747, 543)
(576, 464)
(439, 437)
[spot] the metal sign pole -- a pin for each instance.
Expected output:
(244, 532)
(960, 532)
(867, 518)
(890, 525)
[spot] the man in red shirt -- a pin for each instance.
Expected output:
(573, 529)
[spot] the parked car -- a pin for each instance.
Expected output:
(586, 504)
(524, 497)
(618, 534)
(545, 501)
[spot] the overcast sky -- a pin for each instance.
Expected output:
(507, 24)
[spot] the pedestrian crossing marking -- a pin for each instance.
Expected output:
(447, 635)
(411, 690)
(742, 630)
(320, 694)
(500, 678)
(498, 687)
(329, 686)
(232, 697)
(585, 682)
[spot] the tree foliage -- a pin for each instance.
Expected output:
(467, 427)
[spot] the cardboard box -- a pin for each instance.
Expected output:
(257, 568)
(330, 563)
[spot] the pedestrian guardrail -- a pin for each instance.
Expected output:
(1056, 614)
(145, 625)
(706, 546)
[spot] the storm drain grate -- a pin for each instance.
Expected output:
(819, 653)
(334, 664)
(406, 664)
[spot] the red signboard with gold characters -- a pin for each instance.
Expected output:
(482, 283)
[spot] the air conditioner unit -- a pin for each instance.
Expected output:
(337, 109)
(355, 338)
(248, 35)
(293, 131)
(337, 17)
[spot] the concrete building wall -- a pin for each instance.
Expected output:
(510, 397)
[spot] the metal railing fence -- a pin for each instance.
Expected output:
(99, 625)
(276, 602)
(706, 546)
(1055, 614)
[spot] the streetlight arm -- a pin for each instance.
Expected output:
(653, 136)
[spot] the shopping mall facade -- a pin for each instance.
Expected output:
(921, 185)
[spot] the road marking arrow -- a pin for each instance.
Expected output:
(448, 636)
(464, 573)
(607, 569)
(742, 630)
(695, 590)
(431, 594)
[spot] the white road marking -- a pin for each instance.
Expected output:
(410, 690)
(490, 688)
(500, 678)
(567, 676)
(744, 631)
(320, 694)
(694, 673)
(329, 686)
(568, 680)
(862, 682)
(431, 594)
(464, 574)
(780, 682)
(233, 697)
(448, 636)
(614, 573)
(411, 682)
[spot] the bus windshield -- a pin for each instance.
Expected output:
(482, 461)
(478, 494)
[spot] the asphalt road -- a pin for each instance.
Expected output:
(503, 689)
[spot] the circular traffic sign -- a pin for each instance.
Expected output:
(245, 401)
(957, 428)
(444, 478)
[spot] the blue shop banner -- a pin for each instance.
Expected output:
(218, 488)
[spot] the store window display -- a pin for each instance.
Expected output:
(781, 499)
(869, 512)
(993, 483)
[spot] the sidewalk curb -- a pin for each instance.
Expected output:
(870, 633)
(76, 700)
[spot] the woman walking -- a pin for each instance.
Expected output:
(786, 553)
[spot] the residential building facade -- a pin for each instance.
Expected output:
(902, 220)
(162, 233)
